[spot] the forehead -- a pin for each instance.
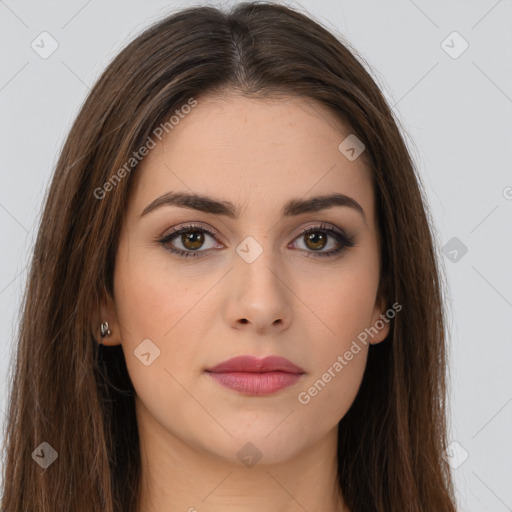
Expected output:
(256, 153)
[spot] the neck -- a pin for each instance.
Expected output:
(176, 475)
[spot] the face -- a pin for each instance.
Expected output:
(249, 282)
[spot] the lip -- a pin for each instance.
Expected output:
(253, 364)
(252, 376)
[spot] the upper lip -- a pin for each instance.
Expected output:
(253, 364)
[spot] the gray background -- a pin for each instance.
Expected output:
(457, 118)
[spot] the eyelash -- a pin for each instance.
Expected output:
(345, 240)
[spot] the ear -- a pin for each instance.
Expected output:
(105, 311)
(380, 322)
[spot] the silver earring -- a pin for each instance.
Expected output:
(104, 330)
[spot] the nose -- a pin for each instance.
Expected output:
(260, 297)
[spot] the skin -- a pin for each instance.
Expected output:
(257, 154)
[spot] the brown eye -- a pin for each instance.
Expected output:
(323, 240)
(316, 240)
(189, 241)
(192, 240)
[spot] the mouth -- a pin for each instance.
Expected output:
(252, 376)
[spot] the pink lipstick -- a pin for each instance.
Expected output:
(252, 376)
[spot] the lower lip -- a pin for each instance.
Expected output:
(251, 383)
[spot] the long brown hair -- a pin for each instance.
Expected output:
(77, 396)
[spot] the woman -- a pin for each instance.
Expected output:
(234, 301)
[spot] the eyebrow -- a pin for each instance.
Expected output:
(293, 207)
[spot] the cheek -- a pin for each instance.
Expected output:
(153, 298)
(158, 301)
(340, 311)
(329, 393)
(152, 305)
(341, 303)
(338, 359)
